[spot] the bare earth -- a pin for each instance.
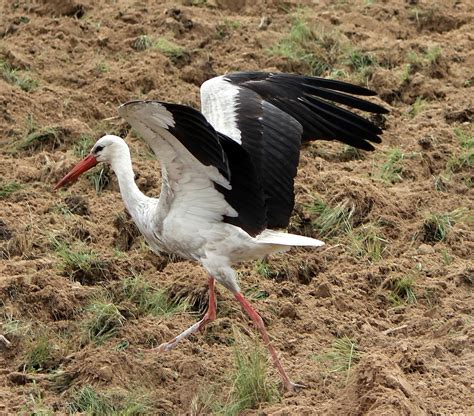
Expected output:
(414, 353)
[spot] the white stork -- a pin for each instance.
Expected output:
(228, 171)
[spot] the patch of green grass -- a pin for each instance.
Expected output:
(77, 260)
(254, 293)
(36, 405)
(170, 49)
(447, 258)
(8, 188)
(392, 170)
(250, 383)
(99, 177)
(342, 356)
(331, 221)
(263, 268)
(83, 146)
(102, 67)
(441, 183)
(437, 225)
(406, 72)
(48, 137)
(14, 327)
(224, 29)
(150, 300)
(104, 319)
(362, 63)
(433, 54)
(88, 400)
(403, 291)
(314, 46)
(464, 159)
(142, 43)
(414, 59)
(13, 76)
(418, 106)
(39, 353)
(368, 242)
(417, 61)
(91, 402)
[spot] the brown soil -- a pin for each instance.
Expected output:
(415, 358)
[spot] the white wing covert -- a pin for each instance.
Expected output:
(198, 186)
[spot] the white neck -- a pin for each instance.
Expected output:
(132, 197)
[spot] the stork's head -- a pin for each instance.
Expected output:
(106, 149)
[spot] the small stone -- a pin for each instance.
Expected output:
(425, 142)
(287, 310)
(425, 249)
(341, 305)
(322, 291)
(105, 373)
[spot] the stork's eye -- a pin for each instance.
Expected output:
(99, 149)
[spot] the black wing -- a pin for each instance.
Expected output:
(270, 115)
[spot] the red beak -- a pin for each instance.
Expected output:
(83, 166)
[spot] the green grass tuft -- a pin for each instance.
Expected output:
(170, 49)
(250, 383)
(433, 54)
(437, 225)
(362, 63)
(104, 319)
(8, 188)
(91, 402)
(80, 260)
(99, 177)
(464, 159)
(447, 258)
(83, 146)
(392, 170)
(39, 353)
(369, 243)
(331, 221)
(12, 76)
(418, 106)
(36, 405)
(224, 29)
(150, 300)
(263, 268)
(48, 137)
(403, 291)
(342, 356)
(142, 43)
(310, 45)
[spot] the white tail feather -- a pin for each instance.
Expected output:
(284, 239)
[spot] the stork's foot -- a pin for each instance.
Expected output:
(208, 317)
(293, 387)
(198, 326)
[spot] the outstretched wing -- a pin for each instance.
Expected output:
(270, 115)
(207, 177)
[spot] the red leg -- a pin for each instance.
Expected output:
(257, 319)
(209, 316)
